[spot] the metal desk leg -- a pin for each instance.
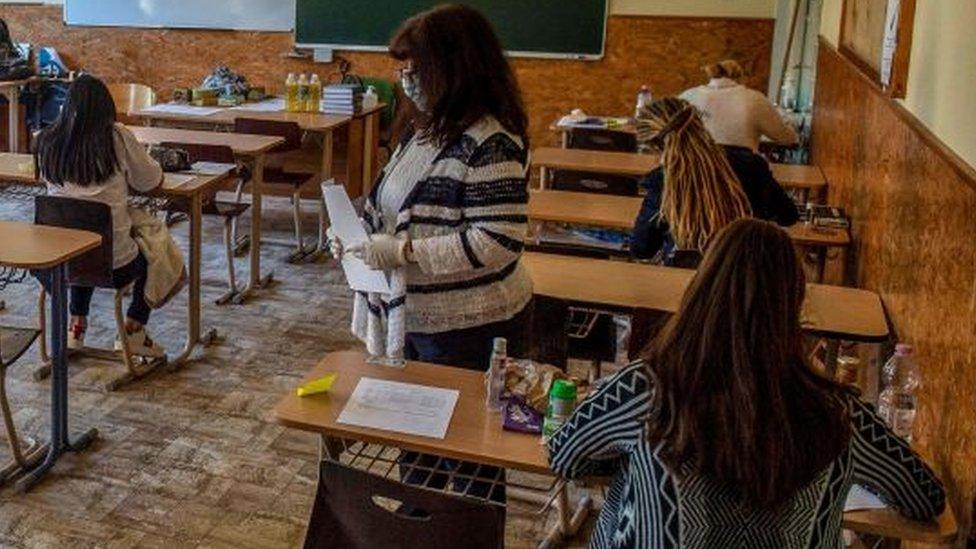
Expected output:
(325, 175)
(60, 442)
(255, 281)
(193, 308)
(543, 178)
(570, 520)
(13, 119)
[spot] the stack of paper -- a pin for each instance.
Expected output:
(400, 407)
(179, 108)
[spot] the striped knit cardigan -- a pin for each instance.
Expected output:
(466, 217)
(650, 507)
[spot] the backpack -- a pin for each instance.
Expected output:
(12, 65)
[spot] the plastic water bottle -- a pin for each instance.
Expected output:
(314, 101)
(562, 402)
(291, 93)
(370, 98)
(495, 377)
(900, 379)
(644, 98)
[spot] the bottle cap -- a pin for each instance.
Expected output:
(500, 345)
(563, 389)
(904, 349)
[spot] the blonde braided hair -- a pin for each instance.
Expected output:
(701, 192)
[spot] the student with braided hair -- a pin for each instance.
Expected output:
(700, 186)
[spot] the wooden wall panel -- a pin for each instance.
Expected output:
(666, 53)
(913, 223)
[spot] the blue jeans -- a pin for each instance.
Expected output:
(133, 273)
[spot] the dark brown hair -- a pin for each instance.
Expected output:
(462, 70)
(735, 398)
(80, 146)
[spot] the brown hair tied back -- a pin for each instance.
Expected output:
(728, 68)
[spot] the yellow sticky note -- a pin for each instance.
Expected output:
(317, 386)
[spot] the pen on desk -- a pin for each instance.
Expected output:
(316, 386)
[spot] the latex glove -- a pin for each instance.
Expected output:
(336, 248)
(383, 253)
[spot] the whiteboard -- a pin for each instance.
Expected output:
(264, 15)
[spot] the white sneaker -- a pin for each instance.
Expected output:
(76, 337)
(141, 345)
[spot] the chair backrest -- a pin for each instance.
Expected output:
(567, 180)
(347, 513)
(93, 268)
(204, 153)
(130, 98)
(602, 140)
(291, 131)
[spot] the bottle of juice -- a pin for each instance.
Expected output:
(314, 94)
(291, 93)
(302, 93)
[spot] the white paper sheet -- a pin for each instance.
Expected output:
(349, 229)
(274, 104)
(178, 108)
(400, 407)
(211, 168)
(176, 180)
(859, 499)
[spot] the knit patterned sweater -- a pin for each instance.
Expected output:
(466, 217)
(649, 507)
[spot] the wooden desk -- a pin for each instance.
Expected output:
(888, 523)
(195, 191)
(27, 246)
(251, 149)
(362, 132)
(475, 434)
(807, 179)
(620, 212)
(833, 312)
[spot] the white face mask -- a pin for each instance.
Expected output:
(411, 88)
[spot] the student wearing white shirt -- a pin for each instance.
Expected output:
(86, 155)
(734, 114)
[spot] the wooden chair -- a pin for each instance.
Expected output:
(230, 212)
(130, 98)
(14, 342)
(295, 181)
(91, 269)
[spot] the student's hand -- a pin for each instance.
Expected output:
(383, 253)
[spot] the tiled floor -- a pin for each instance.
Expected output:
(191, 458)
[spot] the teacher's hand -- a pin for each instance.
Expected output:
(383, 253)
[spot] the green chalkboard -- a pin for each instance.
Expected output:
(564, 28)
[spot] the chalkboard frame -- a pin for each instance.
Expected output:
(531, 54)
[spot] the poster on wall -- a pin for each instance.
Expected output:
(890, 42)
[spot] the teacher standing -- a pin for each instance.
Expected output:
(448, 217)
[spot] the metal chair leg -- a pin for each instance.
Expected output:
(232, 289)
(136, 367)
(23, 459)
(240, 244)
(300, 251)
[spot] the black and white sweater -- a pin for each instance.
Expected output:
(649, 507)
(466, 217)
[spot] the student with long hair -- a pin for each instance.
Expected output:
(723, 435)
(448, 217)
(86, 155)
(734, 114)
(700, 186)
